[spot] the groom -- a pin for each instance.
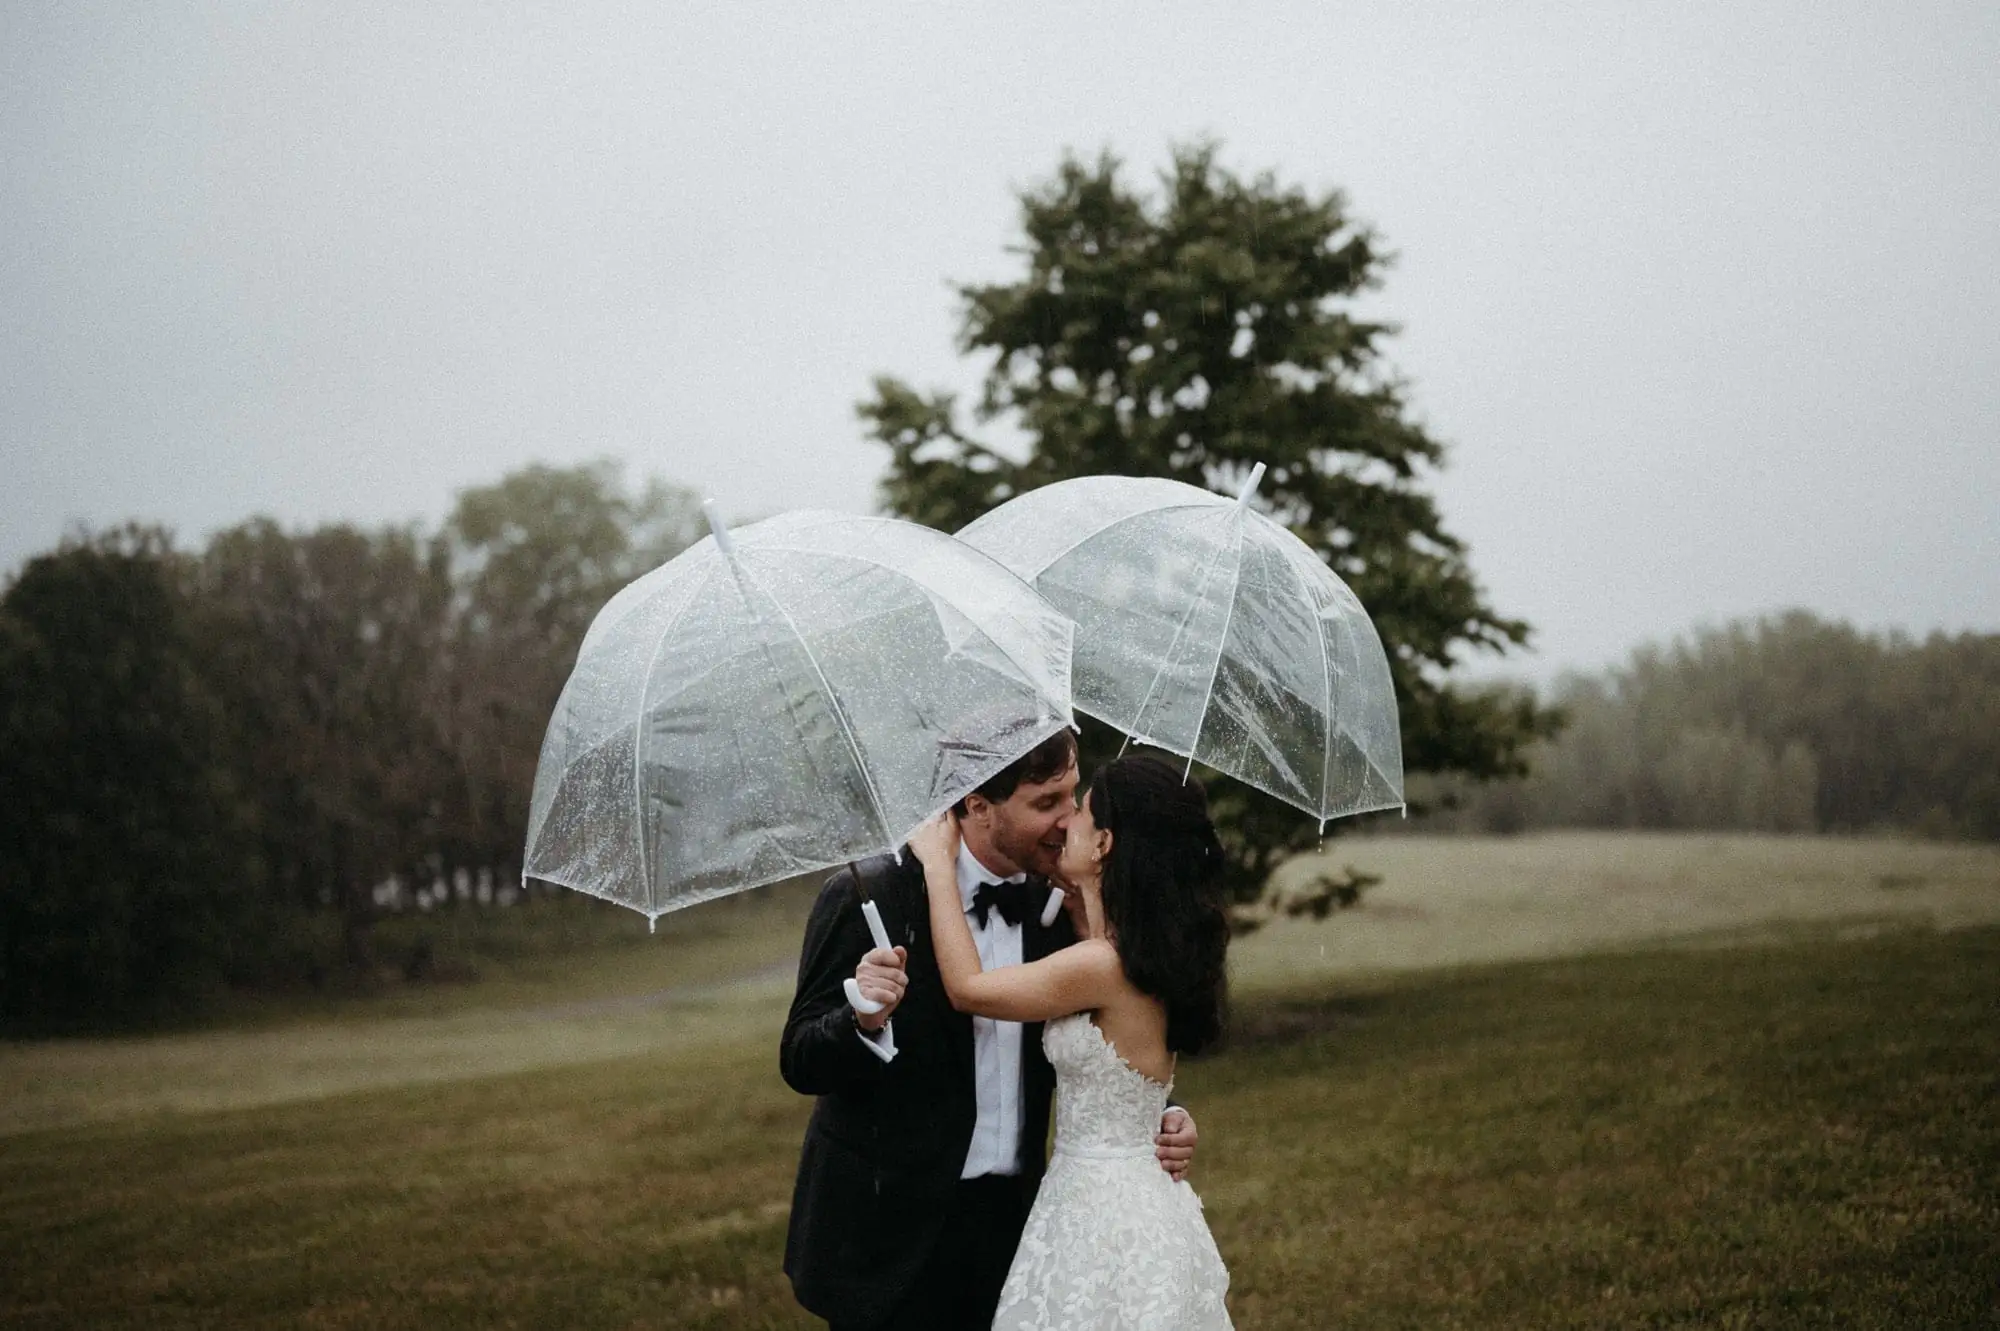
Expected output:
(926, 1145)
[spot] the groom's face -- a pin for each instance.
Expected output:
(1028, 826)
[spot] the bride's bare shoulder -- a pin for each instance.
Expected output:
(1095, 954)
(1104, 963)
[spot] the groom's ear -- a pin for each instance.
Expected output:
(977, 808)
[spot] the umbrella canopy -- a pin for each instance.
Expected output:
(1209, 630)
(783, 698)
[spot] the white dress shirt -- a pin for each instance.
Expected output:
(996, 1045)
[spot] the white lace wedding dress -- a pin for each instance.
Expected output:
(1112, 1242)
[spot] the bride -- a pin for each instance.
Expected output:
(1112, 1241)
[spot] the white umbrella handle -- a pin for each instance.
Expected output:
(881, 936)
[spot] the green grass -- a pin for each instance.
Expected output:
(1799, 1135)
(1772, 1107)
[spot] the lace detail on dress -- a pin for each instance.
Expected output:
(1112, 1242)
(1101, 1102)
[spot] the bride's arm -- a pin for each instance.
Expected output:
(1080, 977)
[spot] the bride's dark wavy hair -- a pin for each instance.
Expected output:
(1163, 892)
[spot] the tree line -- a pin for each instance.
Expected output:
(200, 749)
(1790, 723)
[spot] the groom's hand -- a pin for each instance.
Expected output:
(881, 977)
(1175, 1143)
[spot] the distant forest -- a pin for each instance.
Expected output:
(1784, 724)
(218, 768)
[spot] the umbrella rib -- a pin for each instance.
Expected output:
(1339, 588)
(1387, 780)
(1221, 643)
(639, 731)
(1166, 658)
(1326, 732)
(839, 712)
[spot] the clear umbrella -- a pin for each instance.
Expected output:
(785, 698)
(1209, 630)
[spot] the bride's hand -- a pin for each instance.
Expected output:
(935, 844)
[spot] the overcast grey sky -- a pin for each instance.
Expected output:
(1705, 298)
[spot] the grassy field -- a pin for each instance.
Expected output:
(566, 982)
(1448, 901)
(1795, 1130)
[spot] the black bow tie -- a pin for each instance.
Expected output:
(1010, 898)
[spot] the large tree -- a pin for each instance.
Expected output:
(1192, 334)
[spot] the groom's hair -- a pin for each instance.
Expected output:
(1045, 762)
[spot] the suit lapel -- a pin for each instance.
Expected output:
(917, 909)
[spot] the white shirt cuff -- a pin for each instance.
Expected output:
(882, 1043)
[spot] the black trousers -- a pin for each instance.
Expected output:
(960, 1286)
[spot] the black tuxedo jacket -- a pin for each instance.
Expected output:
(886, 1141)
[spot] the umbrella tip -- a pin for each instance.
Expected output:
(714, 516)
(1250, 486)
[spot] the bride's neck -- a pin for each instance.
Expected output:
(1094, 924)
